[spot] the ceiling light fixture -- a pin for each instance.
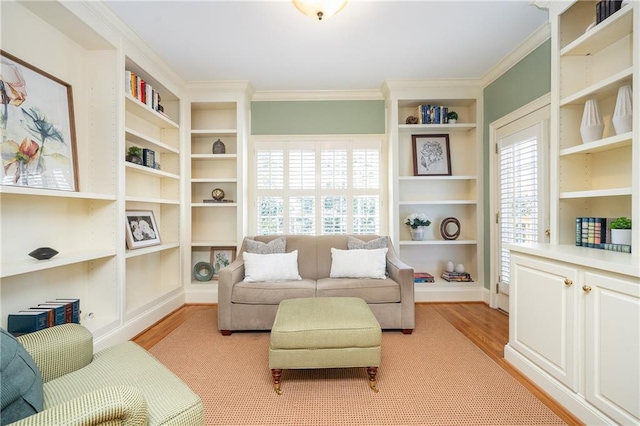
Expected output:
(320, 9)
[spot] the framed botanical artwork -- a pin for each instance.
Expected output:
(37, 127)
(142, 230)
(221, 257)
(431, 155)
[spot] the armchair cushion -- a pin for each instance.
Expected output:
(20, 381)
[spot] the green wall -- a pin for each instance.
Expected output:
(317, 117)
(524, 82)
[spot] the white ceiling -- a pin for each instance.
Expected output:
(277, 48)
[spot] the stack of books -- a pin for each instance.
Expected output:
(54, 312)
(423, 277)
(594, 232)
(456, 277)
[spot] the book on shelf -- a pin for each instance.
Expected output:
(148, 157)
(75, 308)
(622, 248)
(51, 314)
(60, 310)
(423, 277)
(432, 114)
(456, 276)
(26, 322)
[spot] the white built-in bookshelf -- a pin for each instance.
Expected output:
(438, 197)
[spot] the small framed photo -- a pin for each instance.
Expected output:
(142, 230)
(431, 155)
(37, 128)
(221, 257)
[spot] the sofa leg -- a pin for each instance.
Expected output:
(372, 371)
(276, 373)
(225, 332)
(407, 330)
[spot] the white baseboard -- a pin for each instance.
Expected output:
(139, 323)
(209, 295)
(445, 294)
(572, 401)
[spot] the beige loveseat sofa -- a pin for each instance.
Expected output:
(253, 305)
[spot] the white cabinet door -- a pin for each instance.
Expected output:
(543, 319)
(612, 370)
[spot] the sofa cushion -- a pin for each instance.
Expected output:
(271, 267)
(378, 243)
(278, 245)
(358, 263)
(371, 290)
(271, 293)
(21, 393)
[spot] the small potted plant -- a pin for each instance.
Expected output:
(453, 117)
(134, 155)
(621, 231)
(416, 222)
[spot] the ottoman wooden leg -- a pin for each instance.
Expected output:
(276, 373)
(372, 378)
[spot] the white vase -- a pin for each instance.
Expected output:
(592, 126)
(623, 112)
(450, 266)
(417, 234)
(621, 236)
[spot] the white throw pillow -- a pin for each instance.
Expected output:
(359, 263)
(271, 267)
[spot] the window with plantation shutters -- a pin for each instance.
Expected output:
(519, 195)
(317, 187)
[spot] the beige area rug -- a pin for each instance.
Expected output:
(436, 376)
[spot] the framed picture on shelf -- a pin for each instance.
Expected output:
(221, 257)
(431, 155)
(142, 230)
(37, 127)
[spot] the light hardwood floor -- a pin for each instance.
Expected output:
(487, 328)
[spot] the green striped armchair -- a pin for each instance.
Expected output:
(120, 385)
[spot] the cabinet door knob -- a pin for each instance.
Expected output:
(586, 288)
(568, 282)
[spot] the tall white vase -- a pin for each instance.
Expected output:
(592, 126)
(623, 112)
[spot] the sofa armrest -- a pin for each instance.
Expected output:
(402, 273)
(114, 405)
(59, 350)
(227, 278)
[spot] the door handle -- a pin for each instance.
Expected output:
(586, 288)
(568, 282)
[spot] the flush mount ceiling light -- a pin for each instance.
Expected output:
(320, 9)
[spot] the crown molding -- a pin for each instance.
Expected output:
(541, 35)
(317, 95)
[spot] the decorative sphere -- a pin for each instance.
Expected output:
(460, 268)
(217, 194)
(449, 266)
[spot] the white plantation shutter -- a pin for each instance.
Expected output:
(318, 187)
(519, 197)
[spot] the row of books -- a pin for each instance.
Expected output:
(430, 114)
(142, 91)
(148, 158)
(606, 8)
(456, 277)
(53, 312)
(595, 232)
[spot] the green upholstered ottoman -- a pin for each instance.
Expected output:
(324, 332)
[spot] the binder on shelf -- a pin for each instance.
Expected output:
(26, 322)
